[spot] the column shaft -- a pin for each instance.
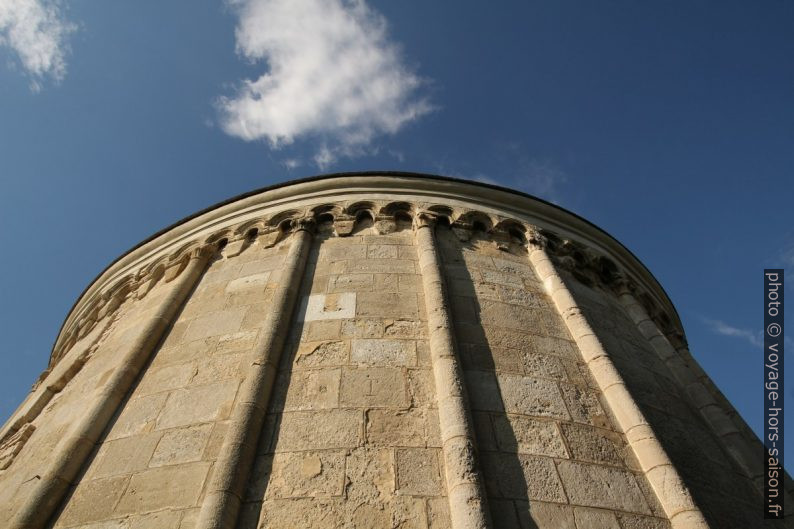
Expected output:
(224, 497)
(73, 450)
(467, 502)
(700, 397)
(662, 475)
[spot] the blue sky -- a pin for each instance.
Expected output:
(668, 124)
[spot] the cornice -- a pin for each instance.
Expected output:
(509, 217)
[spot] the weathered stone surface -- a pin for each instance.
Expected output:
(215, 323)
(383, 352)
(594, 444)
(198, 404)
(125, 455)
(310, 390)
(139, 415)
(301, 430)
(532, 396)
(302, 474)
(377, 387)
(173, 486)
(597, 486)
(182, 445)
(522, 477)
(515, 433)
(352, 428)
(327, 307)
(94, 501)
(418, 472)
(540, 515)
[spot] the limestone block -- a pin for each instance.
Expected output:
(216, 323)
(376, 387)
(308, 513)
(408, 513)
(306, 474)
(405, 329)
(198, 404)
(93, 501)
(543, 365)
(138, 415)
(323, 330)
(383, 352)
(396, 306)
(215, 442)
(182, 445)
(399, 428)
(484, 392)
(532, 396)
(308, 390)
(516, 433)
(594, 444)
(362, 328)
(125, 456)
(503, 514)
(438, 514)
(418, 472)
(184, 352)
(156, 520)
(327, 307)
(584, 405)
(165, 378)
(500, 278)
(421, 388)
(408, 283)
(351, 283)
(554, 346)
(266, 264)
(596, 486)
(595, 519)
(370, 475)
(236, 342)
(381, 266)
(173, 487)
(382, 251)
(253, 281)
(318, 430)
(321, 354)
(518, 476)
(342, 252)
(540, 515)
(630, 521)
(219, 367)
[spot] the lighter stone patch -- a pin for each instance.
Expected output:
(383, 352)
(244, 283)
(328, 307)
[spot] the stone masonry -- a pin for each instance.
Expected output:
(377, 351)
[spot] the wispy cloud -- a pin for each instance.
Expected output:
(720, 327)
(36, 31)
(334, 76)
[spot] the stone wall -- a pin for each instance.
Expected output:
(444, 367)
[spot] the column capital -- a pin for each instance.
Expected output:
(424, 219)
(536, 239)
(307, 224)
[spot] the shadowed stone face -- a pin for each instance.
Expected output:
(372, 355)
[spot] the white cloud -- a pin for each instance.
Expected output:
(334, 76)
(36, 30)
(720, 327)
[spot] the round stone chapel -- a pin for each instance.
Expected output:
(378, 351)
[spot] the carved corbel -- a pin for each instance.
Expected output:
(344, 225)
(385, 224)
